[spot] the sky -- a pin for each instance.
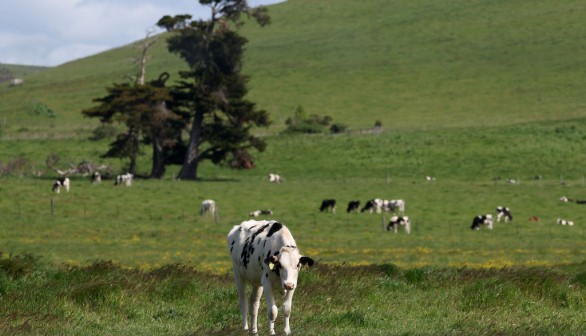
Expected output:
(53, 32)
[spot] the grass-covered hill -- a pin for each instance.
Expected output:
(419, 64)
(19, 71)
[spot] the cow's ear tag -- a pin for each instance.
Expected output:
(272, 265)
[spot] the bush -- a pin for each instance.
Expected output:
(338, 128)
(312, 124)
(40, 109)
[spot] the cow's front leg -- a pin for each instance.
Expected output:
(255, 295)
(287, 305)
(272, 310)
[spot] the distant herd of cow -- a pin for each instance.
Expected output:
(65, 182)
(397, 207)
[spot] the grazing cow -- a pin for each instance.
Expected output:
(512, 181)
(353, 206)
(562, 221)
(397, 221)
(534, 219)
(482, 220)
(16, 82)
(566, 200)
(328, 204)
(373, 205)
(260, 212)
(207, 207)
(265, 255)
(126, 179)
(394, 205)
(503, 212)
(276, 178)
(96, 177)
(429, 178)
(61, 182)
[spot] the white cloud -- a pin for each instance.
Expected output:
(52, 32)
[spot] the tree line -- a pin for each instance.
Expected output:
(208, 103)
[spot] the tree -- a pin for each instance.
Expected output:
(142, 109)
(212, 91)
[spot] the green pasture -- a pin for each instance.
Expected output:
(156, 222)
(140, 260)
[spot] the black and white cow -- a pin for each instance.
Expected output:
(265, 255)
(373, 205)
(126, 179)
(96, 177)
(353, 206)
(566, 200)
(61, 182)
(276, 178)
(503, 212)
(482, 220)
(257, 213)
(394, 206)
(397, 221)
(328, 204)
(562, 221)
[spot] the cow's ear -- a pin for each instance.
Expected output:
(306, 261)
(272, 262)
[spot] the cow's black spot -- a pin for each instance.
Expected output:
(274, 228)
(248, 248)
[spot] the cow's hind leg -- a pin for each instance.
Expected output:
(255, 295)
(242, 299)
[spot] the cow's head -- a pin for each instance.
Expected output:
(286, 264)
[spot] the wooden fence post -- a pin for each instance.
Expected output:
(382, 223)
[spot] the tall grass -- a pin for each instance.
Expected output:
(102, 298)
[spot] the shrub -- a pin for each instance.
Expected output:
(312, 124)
(40, 109)
(338, 128)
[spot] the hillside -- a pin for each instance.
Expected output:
(418, 64)
(19, 71)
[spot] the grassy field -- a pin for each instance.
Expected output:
(157, 221)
